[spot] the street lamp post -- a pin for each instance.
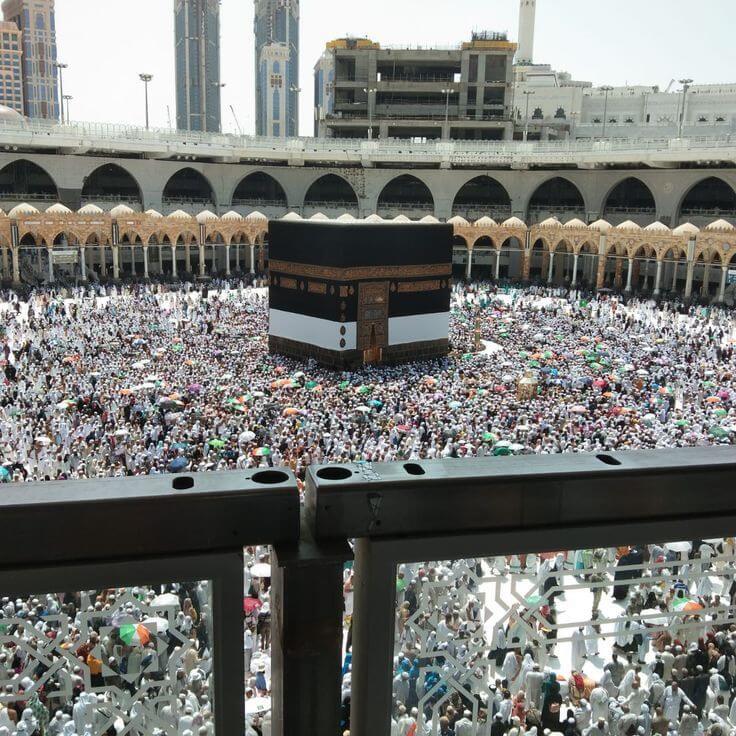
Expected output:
(370, 111)
(67, 98)
(219, 86)
(447, 93)
(61, 68)
(606, 89)
(146, 78)
(296, 90)
(527, 93)
(685, 87)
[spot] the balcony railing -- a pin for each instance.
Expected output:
(140, 550)
(84, 137)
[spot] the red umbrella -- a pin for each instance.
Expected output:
(251, 604)
(599, 383)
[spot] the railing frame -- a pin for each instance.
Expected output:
(523, 504)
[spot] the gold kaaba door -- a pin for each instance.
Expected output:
(372, 319)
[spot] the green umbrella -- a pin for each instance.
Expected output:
(708, 384)
(364, 389)
(523, 354)
(501, 451)
(720, 412)
(311, 384)
(216, 443)
(342, 386)
(467, 356)
(681, 423)
(177, 348)
(534, 364)
(717, 432)
(489, 437)
(533, 600)
(547, 354)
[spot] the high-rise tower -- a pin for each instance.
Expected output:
(197, 38)
(527, 13)
(37, 25)
(276, 30)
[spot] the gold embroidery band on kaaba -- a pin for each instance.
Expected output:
(356, 273)
(414, 286)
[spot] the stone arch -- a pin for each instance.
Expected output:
(628, 198)
(259, 190)
(482, 195)
(24, 180)
(331, 192)
(711, 197)
(554, 196)
(111, 183)
(188, 187)
(405, 194)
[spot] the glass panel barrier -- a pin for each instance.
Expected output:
(136, 660)
(629, 640)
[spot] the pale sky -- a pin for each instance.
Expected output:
(107, 43)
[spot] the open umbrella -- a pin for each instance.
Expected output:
(684, 605)
(261, 570)
(678, 546)
(290, 411)
(455, 404)
(578, 409)
(713, 400)
(720, 413)
(165, 599)
(257, 705)
(262, 452)
(654, 617)
(4, 474)
(718, 432)
(178, 464)
(364, 389)
(134, 635)
(217, 443)
(343, 385)
(156, 624)
(363, 409)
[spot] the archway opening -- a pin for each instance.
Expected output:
(259, 190)
(709, 198)
(482, 196)
(511, 260)
(331, 192)
(25, 181)
(405, 195)
(111, 184)
(538, 260)
(554, 197)
(186, 188)
(459, 256)
(484, 258)
(629, 200)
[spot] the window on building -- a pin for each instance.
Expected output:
(473, 69)
(560, 114)
(277, 80)
(720, 119)
(613, 120)
(493, 96)
(702, 119)
(538, 114)
(597, 120)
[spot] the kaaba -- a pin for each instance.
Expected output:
(353, 293)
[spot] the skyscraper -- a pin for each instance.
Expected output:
(37, 24)
(197, 37)
(276, 30)
(11, 75)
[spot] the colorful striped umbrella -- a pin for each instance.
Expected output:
(134, 635)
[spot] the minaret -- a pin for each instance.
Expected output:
(527, 12)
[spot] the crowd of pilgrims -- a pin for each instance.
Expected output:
(638, 664)
(136, 661)
(147, 379)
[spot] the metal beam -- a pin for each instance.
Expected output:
(426, 497)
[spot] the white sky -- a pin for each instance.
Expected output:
(108, 42)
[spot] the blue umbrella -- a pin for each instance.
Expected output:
(178, 464)
(4, 475)
(455, 405)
